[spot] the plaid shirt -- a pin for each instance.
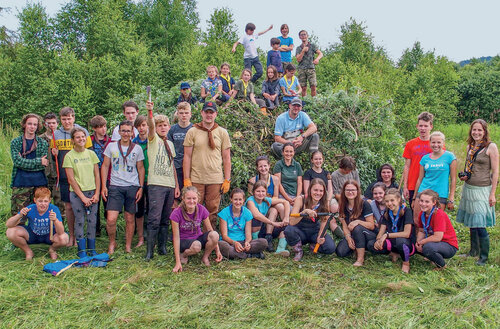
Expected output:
(16, 146)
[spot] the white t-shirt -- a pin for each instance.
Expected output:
(121, 174)
(248, 41)
(116, 135)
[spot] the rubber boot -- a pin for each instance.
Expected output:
(339, 233)
(162, 240)
(81, 248)
(269, 238)
(281, 250)
(474, 245)
(91, 247)
(484, 250)
(150, 244)
(298, 251)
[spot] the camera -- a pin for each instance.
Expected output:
(464, 174)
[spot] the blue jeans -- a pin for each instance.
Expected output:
(249, 62)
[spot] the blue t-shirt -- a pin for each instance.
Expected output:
(437, 173)
(286, 124)
(274, 58)
(263, 208)
(25, 178)
(39, 224)
(289, 85)
(286, 56)
(235, 226)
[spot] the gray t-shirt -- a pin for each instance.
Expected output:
(339, 179)
(308, 58)
(176, 135)
(124, 174)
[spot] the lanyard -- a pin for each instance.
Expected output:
(395, 220)
(426, 223)
(236, 220)
(245, 86)
(288, 86)
(228, 79)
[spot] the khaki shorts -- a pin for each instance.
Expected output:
(305, 75)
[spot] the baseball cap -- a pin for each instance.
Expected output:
(185, 85)
(210, 106)
(296, 101)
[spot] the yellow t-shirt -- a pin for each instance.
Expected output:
(206, 164)
(83, 168)
(161, 170)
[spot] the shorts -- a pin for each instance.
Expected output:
(122, 197)
(305, 75)
(37, 239)
(443, 201)
(64, 189)
(256, 223)
(186, 243)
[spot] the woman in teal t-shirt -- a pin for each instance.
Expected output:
(290, 174)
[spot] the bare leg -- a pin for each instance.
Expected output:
(70, 216)
(139, 222)
(394, 256)
(213, 239)
(273, 214)
(111, 228)
(193, 250)
(360, 257)
(129, 230)
(406, 267)
(313, 91)
(19, 238)
(304, 91)
(416, 212)
(59, 240)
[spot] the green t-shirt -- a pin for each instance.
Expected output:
(82, 164)
(240, 87)
(289, 175)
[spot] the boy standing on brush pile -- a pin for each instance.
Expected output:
(29, 159)
(61, 145)
(306, 68)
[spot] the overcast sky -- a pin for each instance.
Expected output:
(457, 29)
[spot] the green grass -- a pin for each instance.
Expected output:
(319, 292)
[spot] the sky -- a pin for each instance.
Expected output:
(457, 29)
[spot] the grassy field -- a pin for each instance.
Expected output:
(319, 292)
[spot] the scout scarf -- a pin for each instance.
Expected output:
(289, 85)
(228, 79)
(426, 223)
(245, 86)
(129, 150)
(395, 220)
(212, 87)
(211, 141)
(33, 146)
(236, 220)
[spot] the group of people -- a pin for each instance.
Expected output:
(280, 83)
(176, 175)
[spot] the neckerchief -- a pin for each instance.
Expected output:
(427, 222)
(33, 146)
(394, 220)
(288, 86)
(212, 87)
(124, 156)
(228, 79)
(236, 220)
(245, 86)
(211, 141)
(105, 142)
(471, 157)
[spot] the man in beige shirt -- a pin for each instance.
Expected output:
(207, 160)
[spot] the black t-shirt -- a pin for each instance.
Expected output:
(368, 192)
(310, 174)
(367, 211)
(407, 218)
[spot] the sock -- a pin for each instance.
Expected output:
(338, 232)
(255, 235)
(281, 245)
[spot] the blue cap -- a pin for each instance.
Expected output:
(185, 85)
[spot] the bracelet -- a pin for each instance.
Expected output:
(451, 201)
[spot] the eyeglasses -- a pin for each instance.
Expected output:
(126, 131)
(351, 191)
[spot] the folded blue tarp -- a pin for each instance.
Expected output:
(60, 266)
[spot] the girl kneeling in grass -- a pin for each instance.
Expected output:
(236, 230)
(396, 234)
(187, 237)
(264, 217)
(436, 238)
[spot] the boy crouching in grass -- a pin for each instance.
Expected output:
(40, 216)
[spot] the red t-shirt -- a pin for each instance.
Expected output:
(415, 149)
(440, 222)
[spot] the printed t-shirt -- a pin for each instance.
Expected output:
(292, 84)
(289, 175)
(240, 87)
(176, 135)
(414, 150)
(211, 86)
(206, 164)
(248, 41)
(161, 170)
(190, 229)
(124, 174)
(82, 164)
(235, 226)
(308, 58)
(64, 144)
(286, 56)
(40, 223)
(367, 211)
(437, 173)
(286, 125)
(263, 207)
(440, 222)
